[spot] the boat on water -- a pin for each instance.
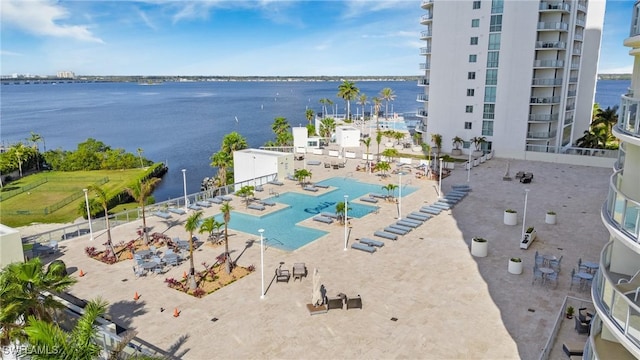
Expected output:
(149, 83)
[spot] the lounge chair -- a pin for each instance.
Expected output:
(321, 186)
(282, 275)
(299, 271)
(177, 211)
(267, 203)
(215, 200)
(354, 302)
(276, 182)
(385, 235)
(258, 188)
(372, 242)
(449, 201)
(314, 162)
(379, 196)
(329, 215)
(204, 204)
(369, 199)
(226, 198)
(323, 219)
(401, 227)
(310, 188)
(363, 247)
(162, 214)
(419, 216)
(335, 303)
(430, 210)
(256, 207)
(461, 187)
(409, 223)
(194, 207)
(327, 165)
(393, 230)
(441, 205)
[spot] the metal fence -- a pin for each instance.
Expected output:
(11, 193)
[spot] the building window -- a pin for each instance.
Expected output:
(494, 41)
(493, 58)
(467, 125)
(468, 109)
(490, 94)
(487, 128)
(471, 92)
(476, 5)
(489, 111)
(471, 75)
(473, 58)
(496, 23)
(497, 6)
(475, 23)
(492, 77)
(474, 40)
(466, 144)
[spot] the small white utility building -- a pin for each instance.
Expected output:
(256, 167)
(347, 136)
(10, 246)
(302, 141)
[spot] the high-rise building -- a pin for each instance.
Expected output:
(521, 74)
(615, 331)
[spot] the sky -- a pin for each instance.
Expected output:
(235, 37)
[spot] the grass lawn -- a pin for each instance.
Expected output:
(29, 206)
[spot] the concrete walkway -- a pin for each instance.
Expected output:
(448, 304)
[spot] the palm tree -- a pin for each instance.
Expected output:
(376, 110)
(323, 102)
(140, 192)
(340, 211)
(192, 224)
(35, 139)
(101, 195)
(209, 225)
(246, 192)
(384, 167)
(281, 128)
(390, 188)
(327, 126)
(387, 95)
(362, 100)
(436, 139)
(301, 175)
(588, 140)
(457, 141)
(222, 161)
(348, 91)
(19, 153)
(330, 103)
(21, 288)
(367, 144)
(607, 118)
(309, 115)
(398, 136)
(378, 140)
(226, 215)
(140, 151)
(233, 142)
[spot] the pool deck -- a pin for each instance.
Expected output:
(447, 303)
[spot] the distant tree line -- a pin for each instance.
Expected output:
(94, 155)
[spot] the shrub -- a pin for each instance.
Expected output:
(510, 211)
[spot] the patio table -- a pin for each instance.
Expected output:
(144, 253)
(548, 258)
(585, 279)
(171, 259)
(183, 244)
(148, 265)
(545, 271)
(592, 266)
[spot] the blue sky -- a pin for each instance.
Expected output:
(225, 37)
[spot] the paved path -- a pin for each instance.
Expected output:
(448, 304)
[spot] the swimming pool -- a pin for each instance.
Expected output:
(280, 229)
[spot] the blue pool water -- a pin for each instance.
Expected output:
(390, 125)
(280, 229)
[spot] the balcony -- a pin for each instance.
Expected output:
(425, 66)
(545, 100)
(578, 37)
(543, 117)
(541, 148)
(573, 80)
(541, 134)
(629, 119)
(568, 120)
(582, 7)
(546, 82)
(422, 113)
(622, 212)
(553, 26)
(425, 50)
(548, 63)
(424, 81)
(635, 22)
(422, 98)
(426, 18)
(570, 107)
(551, 45)
(421, 128)
(426, 34)
(577, 51)
(575, 66)
(580, 22)
(545, 6)
(616, 303)
(426, 4)
(572, 93)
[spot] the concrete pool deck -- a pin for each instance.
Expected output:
(448, 304)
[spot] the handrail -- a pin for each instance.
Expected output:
(544, 355)
(614, 194)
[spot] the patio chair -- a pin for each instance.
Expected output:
(299, 271)
(539, 259)
(581, 266)
(581, 327)
(335, 303)
(139, 271)
(354, 302)
(256, 207)
(575, 279)
(551, 279)
(282, 275)
(537, 275)
(385, 235)
(555, 264)
(153, 249)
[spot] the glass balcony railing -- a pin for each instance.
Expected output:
(425, 50)
(560, 26)
(635, 22)
(623, 211)
(582, 6)
(541, 148)
(425, 66)
(425, 34)
(545, 100)
(554, 6)
(617, 301)
(548, 63)
(541, 134)
(551, 44)
(426, 17)
(580, 22)
(424, 82)
(422, 98)
(422, 113)
(426, 3)
(546, 82)
(573, 80)
(543, 117)
(578, 37)
(629, 119)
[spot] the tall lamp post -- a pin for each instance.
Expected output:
(184, 184)
(346, 219)
(86, 200)
(261, 262)
(470, 166)
(524, 214)
(440, 181)
(400, 195)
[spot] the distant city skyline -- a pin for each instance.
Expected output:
(235, 38)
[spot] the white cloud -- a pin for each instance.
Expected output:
(146, 20)
(616, 70)
(9, 53)
(44, 18)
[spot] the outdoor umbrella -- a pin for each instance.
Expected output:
(316, 298)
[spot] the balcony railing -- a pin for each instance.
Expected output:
(554, 6)
(582, 7)
(623, 211)
(543, 117)
(551, 44)
(546, 82)
(422, 113)
(541, 148)
(560, 26)
(575, 66)
(425, 66)
(424, 82)
(425, 34)
(548, 63)
(572, 93)
(545, 100)
(422, 98)
(580, 22)
(426, 3)
(577, 37)
(615, 301)
(426, 17)
(568, 120)
(570, 107)
(425, 50)
(629, 119)
(573, 80)
(577, 51)
(541, 134)
(635, 22)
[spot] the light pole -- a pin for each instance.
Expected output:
(184, 184)
(262, 262)
(400, 195)
(86, 200)
(440, 181)
(254, 170)
(524, 214)
(346, 208)
(469, 170)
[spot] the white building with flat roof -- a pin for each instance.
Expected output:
(522, 74)
(10, 246)
(256, 167)
(347, 136)
(615, 331)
